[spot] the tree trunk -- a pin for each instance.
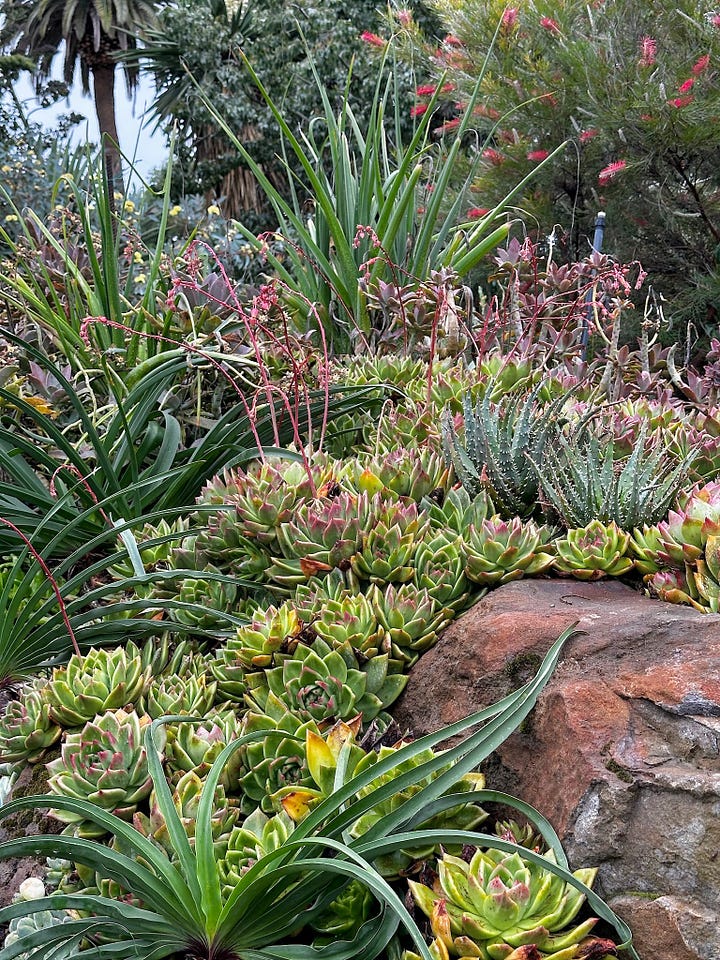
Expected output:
(104, 90)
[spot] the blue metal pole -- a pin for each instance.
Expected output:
(597, 248)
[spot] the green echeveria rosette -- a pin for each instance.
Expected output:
(193, 747)
(228, 549)
(99, 680)
(645, 545)
(324, 684)
(685, 440)
(439, 568)
(21, 928)
(675, 586)
(323, 534)
(462, 817)
(352, 621)
(407, 425)
(104, 763)
(246, 844)
(400, 474)
(211, 598)
(594, 551)
(411, 620)
(26, 729)
(457, 511)
(684, 534)
(310, 597)
(344, 917)
(254, 647)
(388, 548)
(499, 551)
(277, 761)
(186, 800)
(190, 693)
(499, 902)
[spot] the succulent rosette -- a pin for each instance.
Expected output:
(26, 729)
(645, 545)
(408, 425)
(352, 620)
(325, 685)
(674, 586)
(246, 844)
(193, 747)
(499, 902)
(189, 692)
(323, 534)
(594, 551)
(104, 763)
(439, 568)
(401, 474)
(411, 619)
(707, 574)
(389, 546)
(267, 494)
(209, 597)
(254, 647)
(498, 551)
(458, 510)
(684, 534)
(99, 680)
(344, 917)
(226, 547)
(310, 597)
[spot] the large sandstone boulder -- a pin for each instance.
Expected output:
(622, 753)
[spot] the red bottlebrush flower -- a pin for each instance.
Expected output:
(715, 21)
(609, 172)
(425, 90)
(549, 24)
(701, 65)
(447, 127)
(648, 52)
(680, 102)
(447, 88)
(493, 157)
(404, 17)
(453, 41)
(586, 135)
(474, 213)
(510, 19)
(686, 86)
(538, 155)
(372, 39)
(418, 110)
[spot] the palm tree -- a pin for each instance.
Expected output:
(92, 32)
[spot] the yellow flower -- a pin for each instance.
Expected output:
(137, 257)
(129, 206)
(213, 210)
(174, 211)
(41, 406)
(6, 168)
(140, 278)
(10, 218)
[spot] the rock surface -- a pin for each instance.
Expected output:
(622, 753)
(29, 823)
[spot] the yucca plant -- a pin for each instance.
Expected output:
(186, 914)
(499, 443)
(581, 480)
(377, 184)
(140, 458)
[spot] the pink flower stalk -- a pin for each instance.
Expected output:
(609, 172)
(701, 65)
(404, 17)
(715, 21)
(493, 156)
(648, 52)
(453, 41)
(510, 19)
(538, 155)
(549, 24)
(418, 110)
(680, 102)
(447, 88)
(586, 135)
(686, 86)
(474, 213)
(372, 39)
(425, 90)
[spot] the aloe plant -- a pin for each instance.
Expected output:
(184, 910)
(501, 440)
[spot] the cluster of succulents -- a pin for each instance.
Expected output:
(498, 903)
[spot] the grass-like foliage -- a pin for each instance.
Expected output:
(183, 913)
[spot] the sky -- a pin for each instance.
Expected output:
(136, 137)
